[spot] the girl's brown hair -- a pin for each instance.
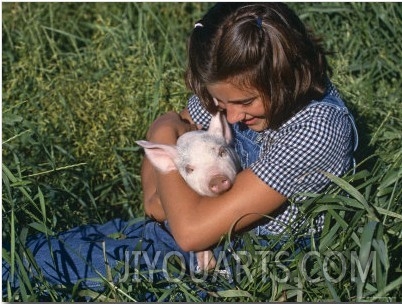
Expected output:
(259, 45)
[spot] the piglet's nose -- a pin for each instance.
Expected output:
(219, 184)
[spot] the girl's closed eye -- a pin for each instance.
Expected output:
(248, 101)
(222, 106)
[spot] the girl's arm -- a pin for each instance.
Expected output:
(199, 222)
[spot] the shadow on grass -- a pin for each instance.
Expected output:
(364, 150)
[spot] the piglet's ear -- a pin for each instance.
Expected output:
(220, 127)
(161, 156)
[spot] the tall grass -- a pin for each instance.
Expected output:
(83, 81)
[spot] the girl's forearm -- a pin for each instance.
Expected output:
(181, 204)
(152, 204)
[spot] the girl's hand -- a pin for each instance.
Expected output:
(168, 127)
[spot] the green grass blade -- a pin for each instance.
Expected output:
(364, 253)
(353, 192)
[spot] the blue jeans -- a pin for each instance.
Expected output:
(80, 254)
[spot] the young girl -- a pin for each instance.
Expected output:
(259, 65)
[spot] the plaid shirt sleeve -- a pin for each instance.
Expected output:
(316, 139)
(198, 113)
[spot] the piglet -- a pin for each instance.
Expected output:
(206, 161)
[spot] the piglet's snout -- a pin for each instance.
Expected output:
(219, 184)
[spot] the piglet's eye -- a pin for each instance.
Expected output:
(189, 169)
(222, 152)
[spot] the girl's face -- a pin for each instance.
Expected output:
(240, 105)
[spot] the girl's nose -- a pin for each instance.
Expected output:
(234, 114)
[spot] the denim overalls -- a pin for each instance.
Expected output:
(80, 253)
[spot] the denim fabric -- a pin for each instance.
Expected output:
(247, 144)
(79, 253)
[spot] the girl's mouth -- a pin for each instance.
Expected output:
(249, 121)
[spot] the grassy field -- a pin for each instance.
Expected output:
(83, 81)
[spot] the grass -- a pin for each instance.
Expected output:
(83, 81)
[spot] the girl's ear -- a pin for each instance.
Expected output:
(161, 156)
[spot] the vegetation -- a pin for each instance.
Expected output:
(83, 81)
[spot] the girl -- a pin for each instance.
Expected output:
(259, 65)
